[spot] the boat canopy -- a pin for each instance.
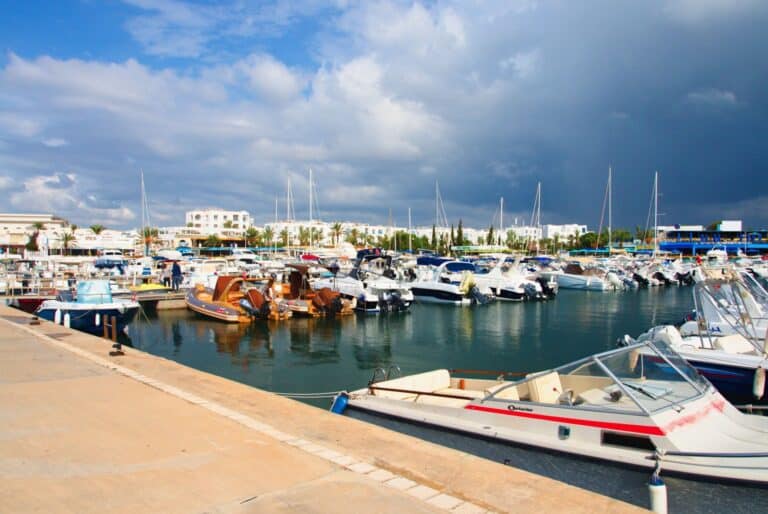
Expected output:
(94, 291)
(645, 378)
(459, 266)
(431, 260)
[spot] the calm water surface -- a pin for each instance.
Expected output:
(312, 355)
(318, 355)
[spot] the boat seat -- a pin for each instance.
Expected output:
(734, 343)
(466, 393)
(506, 391)
(546, 388)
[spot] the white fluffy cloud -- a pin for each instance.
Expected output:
(60, 193)
(712, 97)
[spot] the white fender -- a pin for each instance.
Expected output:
(98, 319)
(758, 384)
(67, 319)
(57, 317)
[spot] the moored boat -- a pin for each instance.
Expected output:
(89, 308)
(640, 405)
(229, 301)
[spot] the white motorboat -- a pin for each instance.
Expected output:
(370, 282)
(575, 276)
(450, 282)
(640, 405)
(507, 282)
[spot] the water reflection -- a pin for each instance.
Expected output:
(331, 354)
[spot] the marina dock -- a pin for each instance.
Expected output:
(84, 431)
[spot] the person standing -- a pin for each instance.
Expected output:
(176, 275)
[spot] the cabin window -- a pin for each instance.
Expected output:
(633, 442)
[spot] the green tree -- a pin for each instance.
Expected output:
(511, 239)
(269, 235)
(460, 234)
(212, 241)
(227, 224)
(336, 231)
(303, 236)
(285, 236)
(353, 237)
(588, 240)
(97, 229)
(252, 236)
(66, 240)
(489, 237)
(434, 238)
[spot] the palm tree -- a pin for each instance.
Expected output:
(149, 236)
(317, 235)
(251, 236)
(66, 239)
(97, 229)
(353, 236)
(284, 236)
(336, 231)
(303, 236)
(269, 235)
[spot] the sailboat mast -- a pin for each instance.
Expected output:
(437, 204)
(501, 216)
(610, 192)
(310, 207)
(538, 215)
(655, 213)
(410, 249)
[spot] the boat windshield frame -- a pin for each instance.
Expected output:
(658, 349)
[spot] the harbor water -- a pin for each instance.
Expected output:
(324, 355)
(303, 356)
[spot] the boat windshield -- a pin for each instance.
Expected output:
(645, 377)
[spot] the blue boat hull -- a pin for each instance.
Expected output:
(85, 320)
(733, 382)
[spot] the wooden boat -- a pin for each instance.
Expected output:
(641, 406)
(230, 302)
(299, 297)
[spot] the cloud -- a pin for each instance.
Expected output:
(712, 97)
(61, 193)
(5, 182)
(522, 64)
(270, 78)
(55, 142)
(380, 99)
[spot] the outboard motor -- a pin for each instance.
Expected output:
(478, 297)
(396, 302)
(548, 287)
(637, 277)
(662, 278)
(531, 292)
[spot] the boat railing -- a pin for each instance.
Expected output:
(374, 388)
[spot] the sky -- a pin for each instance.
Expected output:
(221, 104)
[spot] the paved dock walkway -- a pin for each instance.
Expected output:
(81, 431)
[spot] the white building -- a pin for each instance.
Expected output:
(562, 232)
(214, 221)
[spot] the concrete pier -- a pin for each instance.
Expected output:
(81, 431)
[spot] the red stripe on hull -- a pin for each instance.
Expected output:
(608, 425)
